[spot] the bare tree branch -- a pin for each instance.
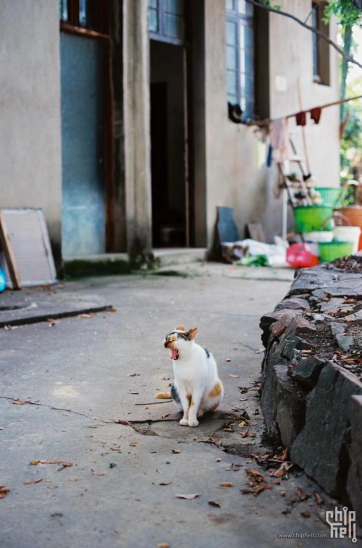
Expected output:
(348, 58)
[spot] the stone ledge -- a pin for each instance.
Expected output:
(311, 405)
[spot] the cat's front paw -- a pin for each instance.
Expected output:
(184, 422)
(193, 423)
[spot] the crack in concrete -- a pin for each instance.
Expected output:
(55, 408)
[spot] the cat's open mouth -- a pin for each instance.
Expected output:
(174, 354)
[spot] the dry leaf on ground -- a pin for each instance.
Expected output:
(226, 484)
(318, 498)
(86, 316)
(218, 460)
(133, 392)
(281, 471)
(166, 415)
(73, 479)
(165, 482)
(3, 491)
(228, 360)
(133, 443)
(31, 482)
(18, 402)
(301, 494)
(97, 473)
(305, 514)
(261, 488)
(125, 423)
(234, 376)
(162, 545)
(188, 497)
(176, 451)
(214, 503)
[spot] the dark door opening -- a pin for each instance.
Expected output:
(168, 145)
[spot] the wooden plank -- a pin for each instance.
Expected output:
(9, 254)
(256, 232)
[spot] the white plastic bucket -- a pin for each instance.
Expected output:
(348, 234)
(325, 236)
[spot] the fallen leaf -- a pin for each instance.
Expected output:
(261, 488)
(86, 316)
(234, 376)
(255, 472)
(176, 451)
(281, 471)
(73, 479)
(305, 514)
(226, 484)
(275, 482)
(318, 498)
(214, 503)
(133, 443)
(97, 473)
(112, 309)
(241, 424)
(284, 455)
(126, 423)
(228, 360)
(247, 491)
(34, 462)
(218, 460)
(18, 402)
(301, 494)
(133, 392)
(133, 374)
(188, 497)
(166, 415)
(162, 545)
(165, 482)
(3, 491)
(31, 482)
(1, 428)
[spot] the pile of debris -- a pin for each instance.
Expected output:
(312, 371)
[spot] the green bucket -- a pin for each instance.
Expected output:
(311, 218)
(328, 251)
(330, 196)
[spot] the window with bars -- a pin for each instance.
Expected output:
(166, 20)
(87, 14)
(240, 55)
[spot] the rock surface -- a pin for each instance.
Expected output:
(311, 392)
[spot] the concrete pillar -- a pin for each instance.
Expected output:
(137, 131)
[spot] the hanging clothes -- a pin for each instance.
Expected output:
(301, 118)
(315, 114)
(280, 140)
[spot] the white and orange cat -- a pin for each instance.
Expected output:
(196, 388)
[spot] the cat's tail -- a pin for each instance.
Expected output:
(164, 396)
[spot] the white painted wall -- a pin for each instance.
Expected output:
(30, 142)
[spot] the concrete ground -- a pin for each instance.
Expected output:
(78, 374)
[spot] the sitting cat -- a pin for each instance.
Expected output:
(196, 388)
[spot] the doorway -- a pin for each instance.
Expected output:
(168, 145)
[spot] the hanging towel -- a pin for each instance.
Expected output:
(315, 114)
(280, 139)
(301, 118)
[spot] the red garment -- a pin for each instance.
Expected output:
(301, 118)
(315, 114)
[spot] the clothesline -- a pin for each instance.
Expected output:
(267, 122)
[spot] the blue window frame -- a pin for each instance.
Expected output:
(240, 55)
(166, 20)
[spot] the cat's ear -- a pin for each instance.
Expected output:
(192, 334)
(180, 328)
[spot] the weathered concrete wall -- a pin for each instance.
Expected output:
(235, 160)
(295, 65)
(30, 145)
(137, 130)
